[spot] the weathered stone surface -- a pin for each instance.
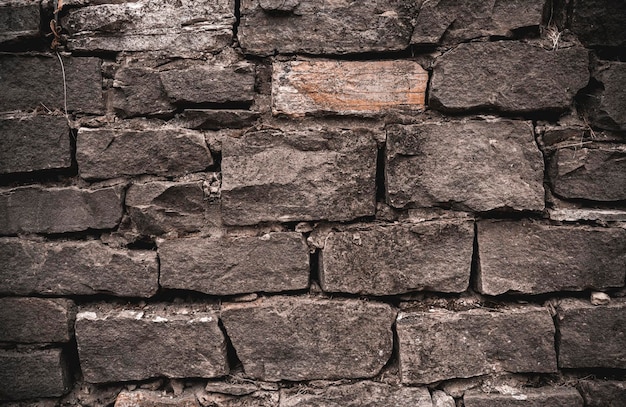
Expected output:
(443, 345)
(302, 173)
(602, 393)
(347, 87)
(29, 320)
(527, 397)
(361, 394)
(449, 22)
(319, 27)
(216, 119)
(34, 143)
(31, 374)
(592, 336)
(388, 260)
(35, 209)
(572, 215)
(608, 104)
(599, 22)
(138, 90)
(75, 268)
(27, 82)
(287, 338)
(121, 344)
(595, 172)
(508, 76)
(152, 25)
(234, 265)
(474, 165)
(110, 152)
(535, 258)
(159, 207)
(19, 19)
(147, 398)
(441, 399)
(256, 399)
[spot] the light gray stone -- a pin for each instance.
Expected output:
(441, 399)
(289, 338)
(147, 398)
(536, 258)
(508, 76)
(136, 343)
(388, 260)
(442, 344)
(527, 397)
(30, 320)
(298, 174)
(75, 268)
(37, 209)
(274, 262)
(475, 165)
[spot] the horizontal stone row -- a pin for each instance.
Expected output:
(379, 259)
(302, 338)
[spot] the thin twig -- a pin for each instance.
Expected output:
(67, 117)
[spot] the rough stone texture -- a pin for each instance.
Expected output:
(29, 320)
(441, 344)
(205, 119)
(36, 209)
(591, 336)
(305, 173)
(254, 399)
(320, 27)
(36, 373)
(152, 25)
(121, 344)
(361, 394)
(234, 265)
(387, 260)
(27, 82)
(347, 87)
(75, 268)
(601, 393)
(572, 215)
(535, 258)
(441, 399)
(146, 398)
(527, 397)
(110, 152)
(508, 76)
(599, 22)
(19, 19)
(34, 143)
(286, 338)
(595, 172)
(475, 165)
(448, 21)
(159, 207)
(608, 104)
(138, 91)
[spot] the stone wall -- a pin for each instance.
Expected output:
(289, 203)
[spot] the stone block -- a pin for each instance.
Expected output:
(115, 152)
(441, 344)
(314, 87)
(152, 25)
(298, 174)
(536, 258)
(147, 398)
(37, 209)
(32, 374)
(75, 268)
(599, 23)
(607, 106)
(360, 394)
(159, 207)
(216, 119)
(274, 262)
(319, 27)
(595, 172)
(475, 165)
(136, 343)
(526, 397)
(602, 393)
(256, 399)
(288, 338)
(30, 81)
(34, 143)
(449, 22)
(30, 320)
(388, 260)
(591, 336)
(19, 20)
(508, 76)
